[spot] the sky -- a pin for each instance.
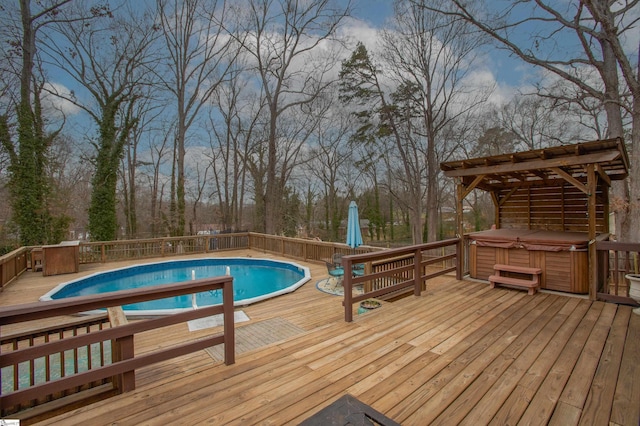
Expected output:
(373, 11)
(369, 16)
(509, 73)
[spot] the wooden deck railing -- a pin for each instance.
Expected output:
(302, 249)
(12, 265)
(122, 370)
(296, 248)
(61, 364)
(391, 271)
(110, 251)
(15, 263)
(615, 260)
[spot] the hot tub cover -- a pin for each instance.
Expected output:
(531, 239)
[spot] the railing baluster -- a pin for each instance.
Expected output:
(87, 330)
(47, 362)
(71, 338)
(16, 373)
(76, 367)
(32, 368)
(620, 257)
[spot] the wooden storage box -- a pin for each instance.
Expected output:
(63, 258)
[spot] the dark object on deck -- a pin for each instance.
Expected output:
(348, 411)
(336, 271)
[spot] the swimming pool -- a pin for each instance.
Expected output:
(253, 280)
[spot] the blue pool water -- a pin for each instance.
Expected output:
(253, 280)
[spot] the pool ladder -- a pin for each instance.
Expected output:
(194, 305)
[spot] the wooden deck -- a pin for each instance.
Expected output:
(462, 353)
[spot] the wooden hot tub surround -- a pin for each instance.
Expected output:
(551, 206)
(562, 256)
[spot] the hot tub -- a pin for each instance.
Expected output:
(562, 256)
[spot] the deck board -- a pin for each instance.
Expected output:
(461, 353)
(597, 409)
(547, 348)
(506, 347)
(626, 409)
(509, 365)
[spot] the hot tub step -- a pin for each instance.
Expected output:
(530, 280)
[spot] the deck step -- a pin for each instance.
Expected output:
(531, 282)
(517, 269)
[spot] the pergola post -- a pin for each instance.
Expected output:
(460, 219)
(592, 186)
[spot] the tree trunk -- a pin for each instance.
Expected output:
(432, 190)
(609, 73)
(634, 174)
(179, 225)
(273, 193)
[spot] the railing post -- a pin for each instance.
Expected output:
(417, 272)
(229, 324)
(459, 258)
(602, 269)
(123, 349)
(347, 285)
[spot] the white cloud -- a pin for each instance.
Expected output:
(356, 30)
(197, 157)
(54, 102)
(483, 80)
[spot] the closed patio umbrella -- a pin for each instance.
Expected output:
(354, 236)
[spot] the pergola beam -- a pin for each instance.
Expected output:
(524, 166)
(472, 186)
(573, 181)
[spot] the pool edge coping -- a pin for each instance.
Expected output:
(160, 312)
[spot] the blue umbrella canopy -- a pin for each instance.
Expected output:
(354, 236)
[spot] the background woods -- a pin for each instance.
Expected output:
(171, 117)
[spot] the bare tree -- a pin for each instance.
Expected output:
(27, 151)
(110, 61)
(147, 111)
(331, 161)
(540, 122)
(599, 28)
(199, 57)
(431, 56)
(158, 154)
(197, 192)
(232, 125)
(284, 38)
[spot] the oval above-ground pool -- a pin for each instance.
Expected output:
(253, 280)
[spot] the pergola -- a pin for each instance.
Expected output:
(562, 188)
